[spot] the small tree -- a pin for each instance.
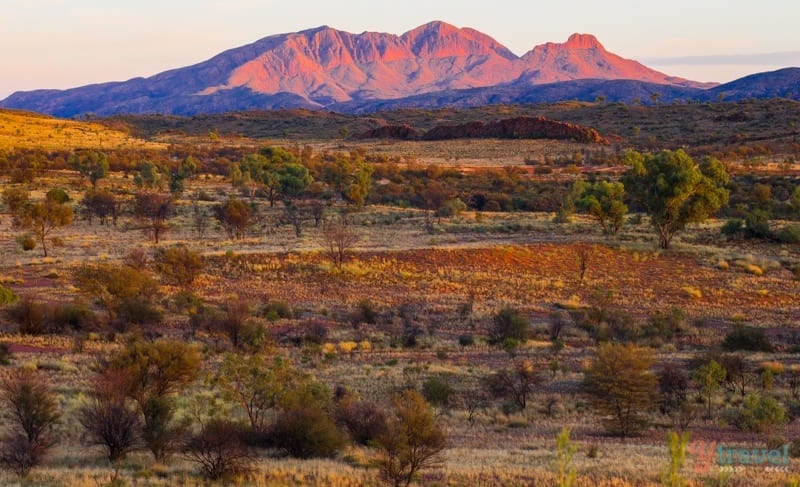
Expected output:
(234, 215)
(34, 413)
(102, 204)
(15, 199)
(709, 377)
(154, 372)
(603, 200)
(109, 420)
(339, 239)
(675, 190)
(91, 164)
(256, 385)
(42, 218)
(153, 210)
(515, 384)
(413, 442)
(621, 386)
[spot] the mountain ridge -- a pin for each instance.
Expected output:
(324, 67)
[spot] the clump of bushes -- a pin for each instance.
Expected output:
(758, 414)
(789, 234)
(37, 318)
(747, 338)
(277, 310)
(509, 324)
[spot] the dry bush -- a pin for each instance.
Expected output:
(109, 420)
(34, 414)
(339, 238)
(218, 450)
(365, 421)
(413, 442)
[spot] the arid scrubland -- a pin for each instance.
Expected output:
(348, 314)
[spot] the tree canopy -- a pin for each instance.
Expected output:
(675, 190)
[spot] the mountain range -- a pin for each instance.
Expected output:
(433, 65)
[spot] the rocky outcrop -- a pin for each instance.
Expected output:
(399, 132)
(512, 128)
(517, 128)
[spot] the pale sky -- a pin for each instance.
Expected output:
(68, 43)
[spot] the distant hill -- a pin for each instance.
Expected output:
(325, 68)
(784, 83)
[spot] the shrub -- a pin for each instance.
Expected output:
(138, 311)
(466, 340)
(413, 441)
(218, 450)
(509, 324)
(75, 316)
(57, 195)
(275, 310)
(5, 354)
(306, 431)
(31, 316)
(7, 296)
(437, 391)
(315, 331)
(756, 225)
(758, 414)
(34, 413)
(732, 227)
(514, 384)
(178, 265)
(621, 386)
(365, 421)
(747, 338)
(109, 419)
(366, 312)
(789, 234)
(26, 242)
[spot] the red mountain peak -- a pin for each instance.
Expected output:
(583, 41)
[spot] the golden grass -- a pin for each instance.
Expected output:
(24, 130)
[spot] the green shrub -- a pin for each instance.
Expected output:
(509, 324)
(75, 316)
(276, 310)
(466, 340)
(436, 391)
(306, 431)
(138, 312)
(747, 338)
(732, 227)
(7, 296)
(758, 414)
(789, 234)
(756, 225)
(57, 195)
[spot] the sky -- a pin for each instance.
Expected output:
(67, 43)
